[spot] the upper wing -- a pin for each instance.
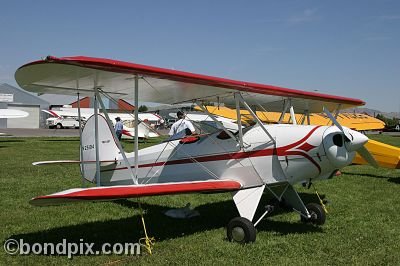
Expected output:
(68, 75)
(134, 191)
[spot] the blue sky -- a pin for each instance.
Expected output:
(347, 48)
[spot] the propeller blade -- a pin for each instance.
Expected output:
(367, 156)
(336, 123)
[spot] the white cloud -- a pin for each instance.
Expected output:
(377, 38)
(265, 50)
(308, 15)
(389, 17)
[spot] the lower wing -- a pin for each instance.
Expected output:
(134, 191)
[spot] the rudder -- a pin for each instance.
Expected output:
(108, 149)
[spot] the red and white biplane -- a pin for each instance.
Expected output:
(246, 162)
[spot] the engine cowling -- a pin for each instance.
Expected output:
(340, 150)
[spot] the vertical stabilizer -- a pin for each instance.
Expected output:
(108, 149)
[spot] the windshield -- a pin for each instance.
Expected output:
(209, 127)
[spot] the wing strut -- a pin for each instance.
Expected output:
(287, 104)
(215, 120)
(96, 132)
(336, 113)
(136, 126)
(292, 115)
(134, 177)
(240, 98)
(306, 115)
(239, 118)
(80, 134)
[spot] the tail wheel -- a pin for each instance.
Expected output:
(317, 213)
(241, 230)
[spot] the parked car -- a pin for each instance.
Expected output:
(62, 122)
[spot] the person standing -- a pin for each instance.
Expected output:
(118, 128)
(182, 127)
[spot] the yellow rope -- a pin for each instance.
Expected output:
(147, 242)
(320, 200)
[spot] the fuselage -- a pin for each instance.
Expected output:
(297, 153)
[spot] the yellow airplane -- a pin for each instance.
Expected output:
(359, 122)
(386, 155)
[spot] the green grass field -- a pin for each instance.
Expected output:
(362, 228)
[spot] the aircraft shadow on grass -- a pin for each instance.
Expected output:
(129, 230)
(8, 140)
(60, 140)
(395, 180)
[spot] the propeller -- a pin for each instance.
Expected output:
(367, 156)
(336, 123)
(354, 141)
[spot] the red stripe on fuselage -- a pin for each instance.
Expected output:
(281, 151)
(305, 155)
(290, 146)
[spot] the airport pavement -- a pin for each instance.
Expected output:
(38, 132)
(45, 132)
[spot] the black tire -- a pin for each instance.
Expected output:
(59, 126)
(317, 213)
(241, 230)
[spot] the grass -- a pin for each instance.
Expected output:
(362, 226)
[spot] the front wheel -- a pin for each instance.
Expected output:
(241, 230)
(59, 126)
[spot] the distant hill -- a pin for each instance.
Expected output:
(371, 112)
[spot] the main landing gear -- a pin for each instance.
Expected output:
(243, 231)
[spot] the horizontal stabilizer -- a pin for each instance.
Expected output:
(70, 162)
(134, 191)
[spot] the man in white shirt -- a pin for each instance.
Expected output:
(182, 127)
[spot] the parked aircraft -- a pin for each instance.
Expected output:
(68, 117)
(203, 119)
(359, 122)
(246, 162)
